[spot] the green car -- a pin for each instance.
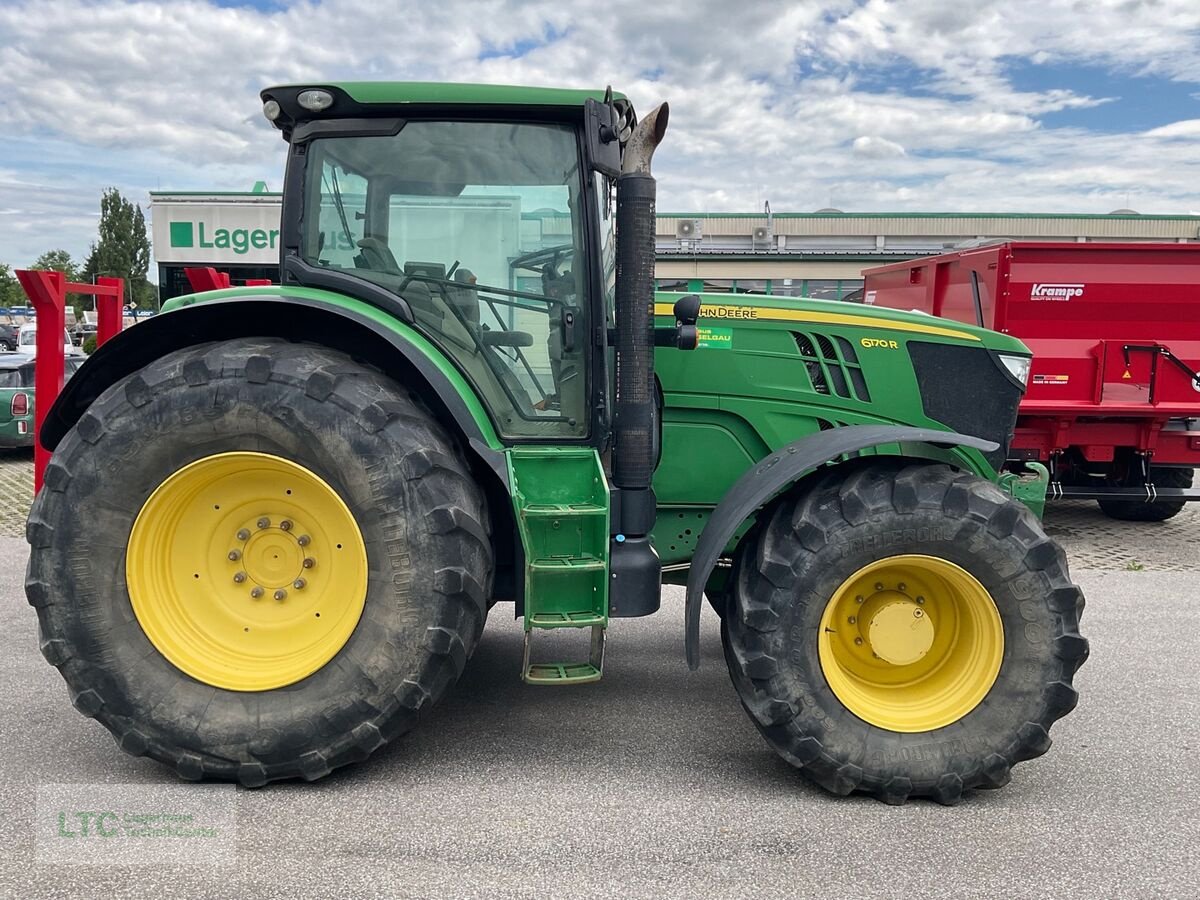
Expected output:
(16, 397)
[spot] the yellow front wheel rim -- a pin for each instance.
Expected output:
(246, 571)
(911, 643)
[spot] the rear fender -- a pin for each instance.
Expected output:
(775, 473)
(352, 327)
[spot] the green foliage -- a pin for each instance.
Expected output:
(122, 249)
(11, 292)
(89, 344)
(58, 261)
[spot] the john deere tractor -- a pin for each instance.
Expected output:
(277, 518)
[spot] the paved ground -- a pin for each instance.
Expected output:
(654, 783)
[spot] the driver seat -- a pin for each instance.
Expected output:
(377, 255)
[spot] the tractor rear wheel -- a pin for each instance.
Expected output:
(258, 560)
(905, 632)
(1156, 511)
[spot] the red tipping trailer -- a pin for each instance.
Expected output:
(1113, 399)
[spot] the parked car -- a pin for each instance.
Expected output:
(27, 341)
(8, 336)
(16, 397)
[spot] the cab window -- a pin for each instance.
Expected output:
(477, 226)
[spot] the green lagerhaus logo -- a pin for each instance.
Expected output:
(239, 240)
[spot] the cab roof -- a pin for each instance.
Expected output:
(442, 94)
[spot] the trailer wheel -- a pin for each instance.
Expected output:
(307, 566)
(904, 632)
(1159, 510)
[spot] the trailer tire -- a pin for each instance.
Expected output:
(252, 408)
(784, 651)
(1158, 510)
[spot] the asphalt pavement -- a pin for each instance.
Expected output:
(653, 783)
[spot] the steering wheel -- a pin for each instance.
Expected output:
(547, 256)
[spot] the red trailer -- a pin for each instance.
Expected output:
(1113, 399)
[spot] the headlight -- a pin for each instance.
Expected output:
(315, 101)
(1018, 367)
(271, 110)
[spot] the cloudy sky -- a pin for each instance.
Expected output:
(930, 105)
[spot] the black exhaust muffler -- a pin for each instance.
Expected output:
(635, 567)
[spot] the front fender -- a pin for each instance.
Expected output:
(773, 474)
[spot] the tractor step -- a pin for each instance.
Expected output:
(560, 497)
(565, 672)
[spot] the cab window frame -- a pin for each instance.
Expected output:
(296, 237)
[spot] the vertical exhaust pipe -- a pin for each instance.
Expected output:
(635, 567)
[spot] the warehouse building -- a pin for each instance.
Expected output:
(818, 254)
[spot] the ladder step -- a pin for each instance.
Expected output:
(561, 673)
(582, 619)
(563, 509)
(564, 564)
(565, 672)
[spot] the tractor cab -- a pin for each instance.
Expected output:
(485, 227)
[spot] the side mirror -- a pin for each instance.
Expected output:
(684, 335)
(601, 140)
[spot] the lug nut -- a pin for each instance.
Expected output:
(264, 522)
(917, 613)
(852, 619)
(239, 577)
(858, 641)
(309, 562)
(920, 600)
(280, 594)
(304, 540)
(858, 599)
(243, 535)
(256, 592)
(879, 585)
(299, 584)
(286, 525)
(234, 555)
(902, 587)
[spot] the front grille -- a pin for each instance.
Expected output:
(965, 389)
(832, 366)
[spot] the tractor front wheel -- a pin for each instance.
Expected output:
(904, 632)
(258, 560)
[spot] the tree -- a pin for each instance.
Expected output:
(11, 292)
(58, 261)
(122, 249)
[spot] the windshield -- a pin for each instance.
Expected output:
(477, 225)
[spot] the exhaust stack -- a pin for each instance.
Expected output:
(635, 567)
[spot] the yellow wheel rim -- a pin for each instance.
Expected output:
(911, 643)
(246, 571)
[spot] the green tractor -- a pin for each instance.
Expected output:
(276, 518)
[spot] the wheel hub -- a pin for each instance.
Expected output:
(900, 633)
(273, 558)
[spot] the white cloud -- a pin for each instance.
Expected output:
(784, 99)
(872, 147)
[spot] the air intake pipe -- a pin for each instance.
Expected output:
(635, 567)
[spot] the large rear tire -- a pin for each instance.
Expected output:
(223, 468)
(1157, 511)
(904, 632)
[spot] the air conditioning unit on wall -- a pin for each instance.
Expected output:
(688, 229)
(761, 235)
